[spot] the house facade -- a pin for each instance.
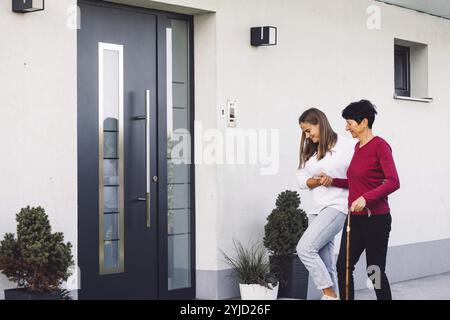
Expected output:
(154, 133)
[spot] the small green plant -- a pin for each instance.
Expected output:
(285, 225)
(38, 260)
(251, 264)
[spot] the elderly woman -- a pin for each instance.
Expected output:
(371, 177)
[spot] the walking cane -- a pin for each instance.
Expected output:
(347, 267)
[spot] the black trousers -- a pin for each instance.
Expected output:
(372, 235)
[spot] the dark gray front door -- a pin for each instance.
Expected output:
(117, 152)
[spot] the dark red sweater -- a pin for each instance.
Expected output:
(372, 175)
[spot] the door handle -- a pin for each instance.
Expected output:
(147, 156)
(148, 160)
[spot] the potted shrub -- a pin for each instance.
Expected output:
(252, 268)
(284, 228)
(38, 260)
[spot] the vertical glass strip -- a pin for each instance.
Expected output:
(179, 156)
(111, 167)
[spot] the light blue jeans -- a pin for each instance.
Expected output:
(316, 247)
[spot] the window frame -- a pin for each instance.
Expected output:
(405, 54)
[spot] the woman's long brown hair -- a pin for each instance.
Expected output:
(327, 140)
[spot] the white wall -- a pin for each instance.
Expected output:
(207, 195)
(190, 7)
(38, 137)
(326, 57)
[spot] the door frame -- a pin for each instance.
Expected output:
(162, 18)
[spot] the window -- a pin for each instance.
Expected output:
(402, 71)
(411, 71)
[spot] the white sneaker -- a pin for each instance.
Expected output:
(324, 297)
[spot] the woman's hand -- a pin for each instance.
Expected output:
(324, 180)
(358, 205)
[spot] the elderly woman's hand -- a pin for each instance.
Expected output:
(325, 180)
(358, 205)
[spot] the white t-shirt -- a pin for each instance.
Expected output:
(335, 165)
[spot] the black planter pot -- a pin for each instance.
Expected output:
(22, 294)
(294, 276)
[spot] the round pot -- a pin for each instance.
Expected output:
(258, 292)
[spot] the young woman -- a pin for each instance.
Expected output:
(322, 152)
(371, 177)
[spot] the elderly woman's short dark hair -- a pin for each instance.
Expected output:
(359, 111)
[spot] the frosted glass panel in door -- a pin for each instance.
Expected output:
(179, 162)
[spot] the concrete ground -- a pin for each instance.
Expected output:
(429, 288)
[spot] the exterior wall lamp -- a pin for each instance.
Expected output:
(25, 6)
(263, 36)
